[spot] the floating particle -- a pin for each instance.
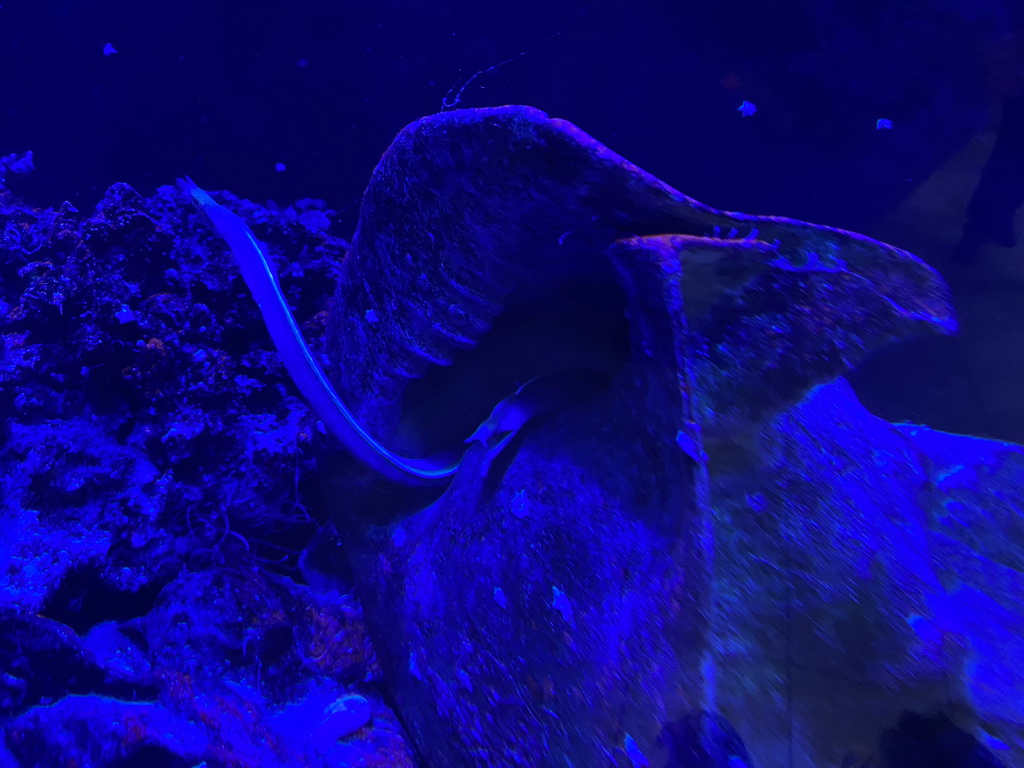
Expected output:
(746, 109)
(302, 63)
(280, 167)
(371, 316)
(883, 124)
(109, 50)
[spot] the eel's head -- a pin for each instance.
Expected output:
(485, 433)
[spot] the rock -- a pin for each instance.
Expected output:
(496, 244)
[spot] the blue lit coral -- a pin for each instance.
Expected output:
(155, 484)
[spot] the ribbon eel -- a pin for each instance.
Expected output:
(539, 395)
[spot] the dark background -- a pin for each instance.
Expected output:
(223, 91)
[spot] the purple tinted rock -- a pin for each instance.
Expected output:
(497, 245)
(95, 730)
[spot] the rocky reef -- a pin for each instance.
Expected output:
(170, 595)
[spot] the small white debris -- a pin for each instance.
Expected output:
(633, 752)
(561, 604)
(687, 440)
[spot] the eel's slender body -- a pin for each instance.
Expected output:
(540, 395)
(298, 359)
